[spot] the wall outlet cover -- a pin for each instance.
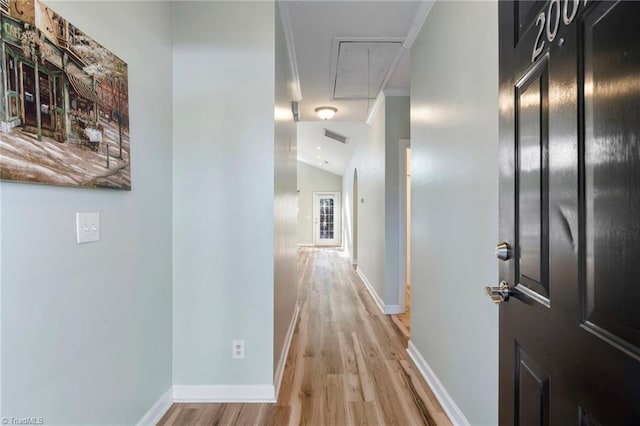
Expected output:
(238, 349)
(87, 227)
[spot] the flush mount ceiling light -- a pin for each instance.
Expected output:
(326, 112)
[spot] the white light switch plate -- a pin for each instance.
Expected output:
(87, 227)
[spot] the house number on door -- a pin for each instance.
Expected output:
(548, 22)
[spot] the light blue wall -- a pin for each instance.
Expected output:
(369, 160)
(86, 329)
(378, 163)
(454, 196)
(397, 126)
(223, 164)
(285, 196)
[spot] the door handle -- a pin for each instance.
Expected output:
(499, 294)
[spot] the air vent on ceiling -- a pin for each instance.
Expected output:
(335, 136)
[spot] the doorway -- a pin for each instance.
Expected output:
(407, 240)
(354, 220)
(403, 319)
(326, 218)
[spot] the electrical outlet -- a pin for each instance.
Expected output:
(238, 349)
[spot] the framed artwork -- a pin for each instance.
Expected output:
(64, 105)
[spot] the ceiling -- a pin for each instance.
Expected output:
(347, 49)
(317, 150)
(317, 27)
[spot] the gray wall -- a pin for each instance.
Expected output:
(223, 167)
(86, 329)
(285, 183)
(454, 176)
(312, 179)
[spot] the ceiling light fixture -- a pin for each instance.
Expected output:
(326, 112)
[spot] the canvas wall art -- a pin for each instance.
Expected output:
(64, 106)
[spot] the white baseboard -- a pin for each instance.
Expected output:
(369, 288)
(285, 351)
(448, 404)
(161, 406)
(222, 393)
(206, 393)
(225, 394)
(305, 245)
(393, 309)
(385, 309)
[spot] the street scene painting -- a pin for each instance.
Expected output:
(64, 105)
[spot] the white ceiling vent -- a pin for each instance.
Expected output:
(362, 66)
(335, 136)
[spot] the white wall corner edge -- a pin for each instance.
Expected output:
(285, 351)
(157, 410)
(371, 291)
(224, 393)
(448, 404)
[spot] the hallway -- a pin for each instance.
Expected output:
(347, 363)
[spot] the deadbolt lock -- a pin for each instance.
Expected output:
(503, 251)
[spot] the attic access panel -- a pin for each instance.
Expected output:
(362, 66)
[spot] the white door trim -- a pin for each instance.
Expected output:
(403, 144)
(337, 216)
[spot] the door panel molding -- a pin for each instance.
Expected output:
(532, 179)
(609, 179)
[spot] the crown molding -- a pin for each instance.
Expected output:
(285, 17)
(421, 15)
(374, 107)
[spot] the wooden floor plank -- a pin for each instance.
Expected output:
(347, 364)
(277, 415)
(251, 415)
(366, 384)
(364, 413)
(336, 409)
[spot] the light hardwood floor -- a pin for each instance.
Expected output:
(347, 364)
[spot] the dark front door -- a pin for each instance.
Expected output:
(570, 210)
